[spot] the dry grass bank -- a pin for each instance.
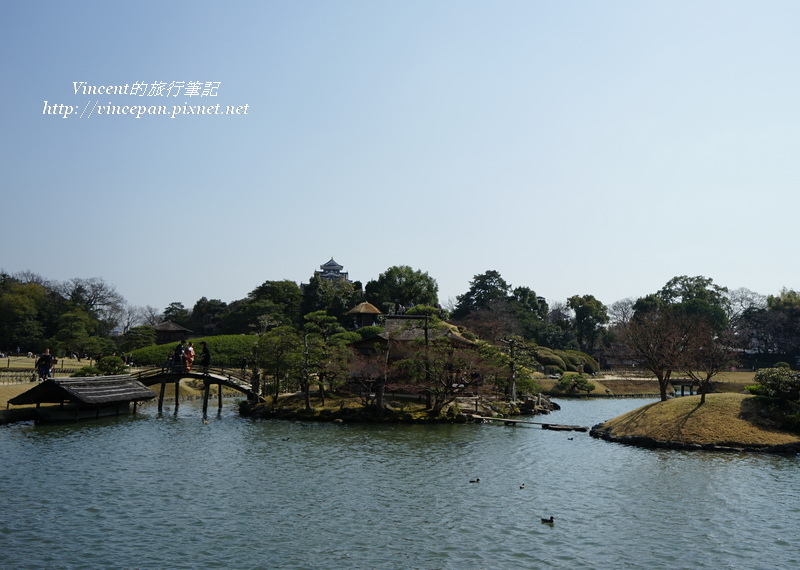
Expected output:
(8, 391)
(620, 384)
(724, 419)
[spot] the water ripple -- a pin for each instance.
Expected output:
(152, 492)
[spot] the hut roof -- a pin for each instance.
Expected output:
(170, 326)
(364, 308)
(97, 390)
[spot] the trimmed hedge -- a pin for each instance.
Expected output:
(226, 351)
(566, 360)
(548, 357)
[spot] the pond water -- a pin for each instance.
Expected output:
(172, 491)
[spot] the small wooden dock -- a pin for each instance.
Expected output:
(545, 425)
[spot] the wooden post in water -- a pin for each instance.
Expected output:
(219, 396)
(161, 396)
(177, 393)
(206, 388)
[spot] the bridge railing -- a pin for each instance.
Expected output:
(235, 375)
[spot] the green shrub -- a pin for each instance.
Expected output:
(756, 390)
(778, 383)
(369, 332)
(551, 370)
(782, 365)
(111, 365)
(575, 383)
(547, 357)
(85, 371)
(469, 335)
(527, 385)
(578, 361)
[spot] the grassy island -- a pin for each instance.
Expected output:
(727, 421)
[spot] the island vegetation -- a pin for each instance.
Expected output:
(331, 343)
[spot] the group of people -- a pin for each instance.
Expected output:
(182, 358)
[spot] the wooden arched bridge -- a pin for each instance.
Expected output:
(230, 378)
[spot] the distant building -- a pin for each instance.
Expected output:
(170, 332)
(331, 270)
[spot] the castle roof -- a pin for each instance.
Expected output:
(331, 266)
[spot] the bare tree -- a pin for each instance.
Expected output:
(740, 301)
(151, 316)
(94, 295)
(707, 353)
(372, 372)
(31, 277)
(656, 340)
(621, 311)
(131, 316)
(447, 370)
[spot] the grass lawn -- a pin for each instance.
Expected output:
(724, 419)
(633, 385)
(23, 363)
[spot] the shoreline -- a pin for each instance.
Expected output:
(726, 422)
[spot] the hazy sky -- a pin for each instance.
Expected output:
(579, 147)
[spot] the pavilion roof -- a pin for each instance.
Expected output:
(364, 308)
(96, 390)
(170, 326)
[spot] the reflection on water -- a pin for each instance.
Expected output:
(171, 491)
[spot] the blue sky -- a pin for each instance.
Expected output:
(576, 147)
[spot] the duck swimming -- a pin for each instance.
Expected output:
(474, 480)
(551, 520)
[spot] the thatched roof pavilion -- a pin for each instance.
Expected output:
(364, 314)
(80, 398)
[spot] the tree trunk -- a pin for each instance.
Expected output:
(277, 388)
(307, 395)
(380, 391)
(663, 384)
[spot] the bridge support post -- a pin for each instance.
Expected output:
(177, 393)
(219, 396)
(161, 396)
(206, 388)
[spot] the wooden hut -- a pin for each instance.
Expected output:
(364, 314)
(170, 332)
(83, 398)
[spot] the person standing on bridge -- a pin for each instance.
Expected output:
(177, 361)
(205, 357)
(188, 357)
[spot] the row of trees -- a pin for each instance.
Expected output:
(494, 310)
(76, 316)
(88, 316)
(422, 356)
(286, 302)
(698, 328)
